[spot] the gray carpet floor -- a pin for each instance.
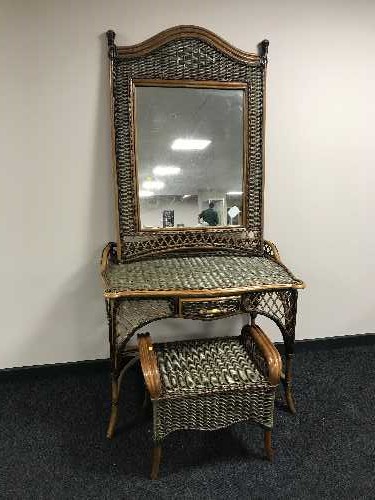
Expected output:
(53, 445)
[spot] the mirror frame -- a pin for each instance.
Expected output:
(187, 54)
(198, 84)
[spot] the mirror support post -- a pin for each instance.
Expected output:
(264, 44)
(112, 48)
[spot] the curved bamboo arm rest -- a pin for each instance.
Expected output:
(271, 251)
(149, 365)
(269, 354)
(108, 255)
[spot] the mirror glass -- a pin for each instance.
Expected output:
(189, 156)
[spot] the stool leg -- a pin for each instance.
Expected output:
(156, 455)
(268, 444)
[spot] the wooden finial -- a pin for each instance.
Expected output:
(264, 52)
(112, 49)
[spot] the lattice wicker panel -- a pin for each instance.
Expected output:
(132, 314)
(278, 305)
(185, 59)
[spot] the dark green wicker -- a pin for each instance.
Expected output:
(202, 272)
(152, 261)
(185, 59)
(211, 384)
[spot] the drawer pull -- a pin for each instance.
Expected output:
(215, 310)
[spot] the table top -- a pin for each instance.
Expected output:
(196, 276)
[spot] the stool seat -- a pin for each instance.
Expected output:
(210, 384)
(199, 367)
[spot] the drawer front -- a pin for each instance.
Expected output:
(210, 308)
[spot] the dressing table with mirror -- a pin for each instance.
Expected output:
(188, 158)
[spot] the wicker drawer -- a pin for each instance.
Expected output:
(210, 308)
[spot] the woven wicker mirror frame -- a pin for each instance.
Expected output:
(192, 54)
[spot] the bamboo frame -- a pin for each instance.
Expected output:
(269, 351)
(213, 292)
(149, 365)
(187, 31)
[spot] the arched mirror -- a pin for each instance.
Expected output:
(188, 125)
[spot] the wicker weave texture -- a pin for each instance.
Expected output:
(213, 412)
(210, 384)
(184, 59)
(197, 273)
(133, 314)
(197, 367)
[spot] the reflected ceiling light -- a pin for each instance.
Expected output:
(186, 196)
(234, 193)
(166, 170)
(145, 194)
(153, 185)
(190, 144)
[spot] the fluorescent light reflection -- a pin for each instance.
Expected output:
(234, 193)
(166, 170)
(149, 185)
(145, 194)
(190, 144)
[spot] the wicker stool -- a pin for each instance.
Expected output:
(210, 384)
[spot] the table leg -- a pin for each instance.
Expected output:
(288, 384)
(114, 408)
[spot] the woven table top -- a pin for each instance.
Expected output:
(204, 272)
(201, 366)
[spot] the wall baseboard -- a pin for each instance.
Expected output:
(308, 345)
(328, 343)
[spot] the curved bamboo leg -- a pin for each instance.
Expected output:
(116, 385)
(114, 409)
(288, 384)
(156, 456)
(268, 445)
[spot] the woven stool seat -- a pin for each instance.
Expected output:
(210, 384)
(200, 367)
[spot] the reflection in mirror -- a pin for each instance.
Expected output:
(189, 155)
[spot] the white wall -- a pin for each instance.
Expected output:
(56, 192)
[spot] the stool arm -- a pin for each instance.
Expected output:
(149, 365)
(263, 352)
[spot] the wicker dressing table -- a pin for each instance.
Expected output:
(183, 271)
